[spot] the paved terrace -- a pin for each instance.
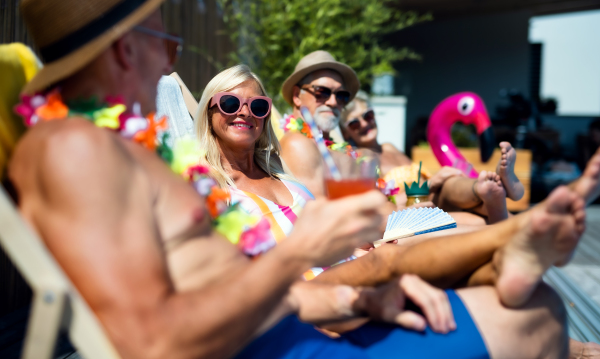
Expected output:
(584, 268)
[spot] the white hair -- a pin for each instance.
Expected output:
(362, 97)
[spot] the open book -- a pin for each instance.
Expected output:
(412, 222)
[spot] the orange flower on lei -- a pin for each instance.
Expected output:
(147, 137)
(216, 201)
(54, 108)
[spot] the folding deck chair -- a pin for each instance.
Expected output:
(57, 306)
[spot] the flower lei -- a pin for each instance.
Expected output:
(292, 124)
(388, 189)
(250, 233)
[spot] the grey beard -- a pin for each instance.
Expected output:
(326, 123)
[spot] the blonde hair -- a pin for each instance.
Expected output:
(267, 144)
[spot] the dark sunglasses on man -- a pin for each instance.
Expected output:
(322, 94)
(173, 44)
(368, 116)
(231, 104)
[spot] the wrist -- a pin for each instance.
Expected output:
(347, 301)
(360, 303)
(291, 257)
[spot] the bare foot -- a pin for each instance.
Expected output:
(588, 185)
(579, 350)
(491, 192)
(550, 232)
(506, 171)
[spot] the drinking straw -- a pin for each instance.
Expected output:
(333, 170)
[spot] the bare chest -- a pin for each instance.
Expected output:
(390, 159)
(196, 255)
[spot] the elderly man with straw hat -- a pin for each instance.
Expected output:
(138, 241)
(324, 86)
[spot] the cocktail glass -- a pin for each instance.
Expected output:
(358, 175)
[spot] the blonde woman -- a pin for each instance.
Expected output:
(233, 125)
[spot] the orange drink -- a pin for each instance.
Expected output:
(348, 187)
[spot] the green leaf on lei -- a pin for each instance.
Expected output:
(233, 223)
(163, 150)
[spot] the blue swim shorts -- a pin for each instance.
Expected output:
(291, 339)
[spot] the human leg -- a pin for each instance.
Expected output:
(533, 241)
(441, 261)
(489, 188)
(549, 237)
(588, 185)
(484, 195)
(506, 171)
(523, 247)
(535, 330)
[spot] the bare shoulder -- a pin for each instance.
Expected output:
(294, 140)
(393, 155)
(57, 164)
(71, 147)
(303, 158)
(389, 148)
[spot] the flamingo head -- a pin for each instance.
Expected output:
(468, 108)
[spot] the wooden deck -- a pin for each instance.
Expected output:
(584, 268)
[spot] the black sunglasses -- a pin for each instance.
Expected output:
(368, 116)
(322, 94)
(231, 104)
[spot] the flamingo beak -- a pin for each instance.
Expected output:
(487, 143)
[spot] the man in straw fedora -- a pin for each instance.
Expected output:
(324, 86)
(137, 242)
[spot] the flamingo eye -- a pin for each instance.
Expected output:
(466, 105)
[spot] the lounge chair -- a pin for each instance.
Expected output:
(57, 306)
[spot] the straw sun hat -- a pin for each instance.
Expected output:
(319, 60)
(71, 33)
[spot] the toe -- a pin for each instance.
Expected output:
(559, 200)
(482, 176)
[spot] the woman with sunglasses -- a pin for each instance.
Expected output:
(233, 125)
(449, 189)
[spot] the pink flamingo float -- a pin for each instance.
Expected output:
(469, 109)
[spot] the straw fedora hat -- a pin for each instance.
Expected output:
(71, 33)
(319, 60)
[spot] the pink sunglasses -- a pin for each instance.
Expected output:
(231, 104)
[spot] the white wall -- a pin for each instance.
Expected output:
(570, 60)
(390, 112)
